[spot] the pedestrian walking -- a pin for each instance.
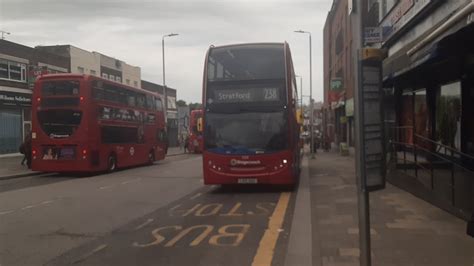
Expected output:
(25, 149)
(186, 144)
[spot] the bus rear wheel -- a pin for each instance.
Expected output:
(111, 163)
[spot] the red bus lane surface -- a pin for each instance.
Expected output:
(211, 226)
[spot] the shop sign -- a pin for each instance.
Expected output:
(11, 98)
(343, 119)
(373, 35)
(403, 13)
(350, 107)
(336, 84)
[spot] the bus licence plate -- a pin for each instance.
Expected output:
(247, 181)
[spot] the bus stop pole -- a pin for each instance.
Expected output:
(362, 192)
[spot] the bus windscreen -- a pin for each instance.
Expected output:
(252, 62)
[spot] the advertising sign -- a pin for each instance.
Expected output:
(401, 14)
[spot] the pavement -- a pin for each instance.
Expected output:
(405, 230)
(11, 167)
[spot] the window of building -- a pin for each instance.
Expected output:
(111, 77)
(171, 102)
(93, 72)
(127, 81)
(159, 104)
(118, 79)
(448, 115)
(135, 83)
(12, 70)
(339, 42)
(105, 76)
(80, 70)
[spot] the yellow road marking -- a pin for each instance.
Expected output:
(267, 244)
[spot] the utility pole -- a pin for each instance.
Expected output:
(310, 91)
(369, 125)
(362, 193)
(164, 79)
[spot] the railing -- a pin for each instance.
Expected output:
(436, 154)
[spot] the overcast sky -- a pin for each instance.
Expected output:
(131, 31)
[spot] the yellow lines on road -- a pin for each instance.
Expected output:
(267, 244)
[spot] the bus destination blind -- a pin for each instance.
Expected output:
(246, 95)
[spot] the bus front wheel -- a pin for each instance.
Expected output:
(111, 163)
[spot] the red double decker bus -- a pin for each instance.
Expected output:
(250, 128)
(195, 141)
(84, 123)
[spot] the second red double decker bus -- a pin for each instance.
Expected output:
(84, 123)
(195, 141)
(250, 127)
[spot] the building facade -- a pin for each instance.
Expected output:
(97, 64)
(338, 75)
(19, 67)
(172, 112)
(429, 85)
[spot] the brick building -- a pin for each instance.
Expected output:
(338, 75)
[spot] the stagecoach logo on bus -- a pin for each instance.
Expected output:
(132, 151)
(235, 162)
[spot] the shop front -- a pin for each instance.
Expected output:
(15, 118)
(433, 92)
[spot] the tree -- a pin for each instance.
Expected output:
(181, 103)
(194, 106)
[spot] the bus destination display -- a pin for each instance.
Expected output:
(246, 95)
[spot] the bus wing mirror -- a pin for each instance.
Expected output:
(299, 116)
(199, 124)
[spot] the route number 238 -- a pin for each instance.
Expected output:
(270, 94)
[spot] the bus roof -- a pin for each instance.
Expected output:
(249, 44)
(87, 77)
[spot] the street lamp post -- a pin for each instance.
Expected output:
(310, 91)
(164, 78)
(301, 91)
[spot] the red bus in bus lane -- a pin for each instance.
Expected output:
(195, 141)
(250, 125)
(84, 123)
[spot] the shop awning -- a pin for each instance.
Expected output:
(454, 40)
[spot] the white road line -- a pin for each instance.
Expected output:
(97, 249)
(28, 207)
(196, 196)
(46, 202)
(6, 212)
(106, 187)
(131, 181)
(144, 224)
